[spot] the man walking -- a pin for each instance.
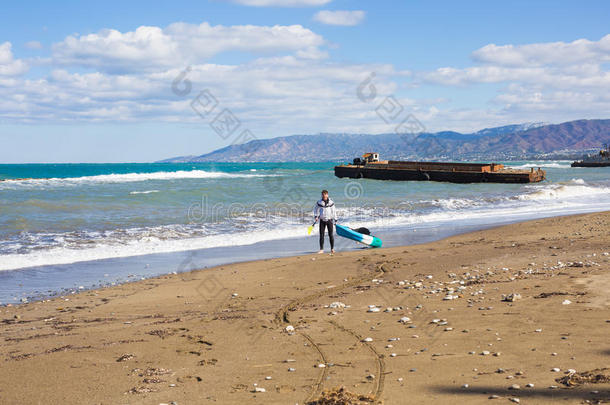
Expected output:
(327, 214)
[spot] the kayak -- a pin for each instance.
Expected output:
(368, 240)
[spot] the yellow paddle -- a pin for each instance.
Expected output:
(310, 228)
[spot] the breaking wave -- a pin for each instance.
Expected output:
(126, 178)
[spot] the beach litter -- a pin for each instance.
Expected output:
(340, 396)
(597, 376)
(125, 357)
(511, 297)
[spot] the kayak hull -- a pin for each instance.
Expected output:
(368, 240)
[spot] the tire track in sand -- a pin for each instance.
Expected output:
(282, 318)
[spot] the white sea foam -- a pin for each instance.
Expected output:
(575, 196)
(560, 164)
(141, 245)
(144, 192)
(127, 178)
(564, 191)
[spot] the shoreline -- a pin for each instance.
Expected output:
(211, 334)
(44, 282)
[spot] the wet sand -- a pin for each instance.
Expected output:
(400, 325)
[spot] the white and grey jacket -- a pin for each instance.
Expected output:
(325, 210)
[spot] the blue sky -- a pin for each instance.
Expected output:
(92, 82)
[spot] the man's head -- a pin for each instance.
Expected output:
(325, 195)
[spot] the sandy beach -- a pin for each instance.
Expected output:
(516, 313)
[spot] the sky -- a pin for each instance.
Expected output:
(139, 81)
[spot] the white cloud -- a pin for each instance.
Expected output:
(553, 81)
(33, 45)
(9, 66)
(275, 95)
(153, 48)
(340, 17)
(281, 3)
(555, 53)
(288, 85)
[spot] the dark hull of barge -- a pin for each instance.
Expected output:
(591, 164)
(457, 173)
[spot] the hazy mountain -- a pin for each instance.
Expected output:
(511, 141)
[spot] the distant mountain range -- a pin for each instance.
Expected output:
(539, 140)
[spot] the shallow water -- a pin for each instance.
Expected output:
(84, 225)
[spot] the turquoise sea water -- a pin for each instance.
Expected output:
(64, 214)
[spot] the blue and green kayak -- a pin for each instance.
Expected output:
(368, 240)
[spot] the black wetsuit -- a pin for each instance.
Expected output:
(331, 235)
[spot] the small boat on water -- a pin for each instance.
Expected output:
(370, 167)
(601, 159)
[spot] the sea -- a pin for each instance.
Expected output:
(65, 228)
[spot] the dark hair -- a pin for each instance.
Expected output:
(324, 191)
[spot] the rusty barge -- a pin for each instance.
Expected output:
(370, 167)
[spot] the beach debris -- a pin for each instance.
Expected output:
(258, 389)
(151, 372)
(290, 369)
(141, 390)
(515, 400)
(340, 396)
(321, 365)
(289, 329)
(566, 302)
(370, 377)
(494, 396)
(538, 330)
(465, 386)
(530, 385)
(337, 305)
(393, 354)
(514, 387)
(555, 370)
(511, 297)
(367, 339)
(125, 357)
(373, 309)
(404, 319)
(485, 353)
(597, 376)
(268, 377)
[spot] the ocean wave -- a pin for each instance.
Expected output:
(144, 192)
(564, 191)
(128, 178)
(140, 244)
(549, 164)
(29, 250)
